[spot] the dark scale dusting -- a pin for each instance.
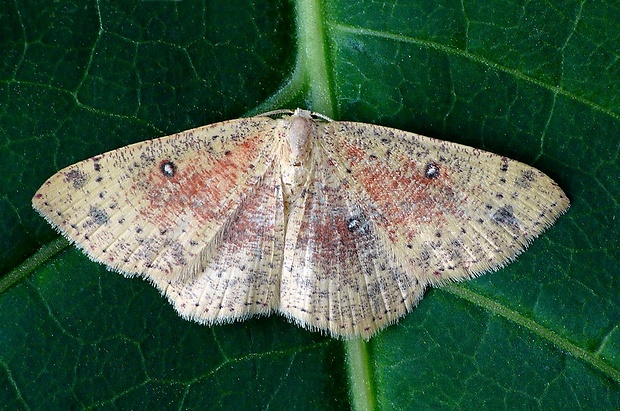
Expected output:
(526, 179)
(147, 158)
(425, 255)
(431, 170)
(168, 168)
(99, 216)
(177, 252)
(505, 215)
(504, 166)
(99, 179)
(77, 178)
(97, 166)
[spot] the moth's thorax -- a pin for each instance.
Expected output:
(298, 132)
(298, 135)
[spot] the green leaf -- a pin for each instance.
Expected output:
(535, 81)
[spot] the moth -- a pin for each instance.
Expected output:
(339, 226)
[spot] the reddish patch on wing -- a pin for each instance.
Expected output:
(198, 185)
(401, 190)
(254, 221)
(325, 233)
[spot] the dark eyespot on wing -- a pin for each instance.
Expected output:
(168, 168)
(431, 170)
